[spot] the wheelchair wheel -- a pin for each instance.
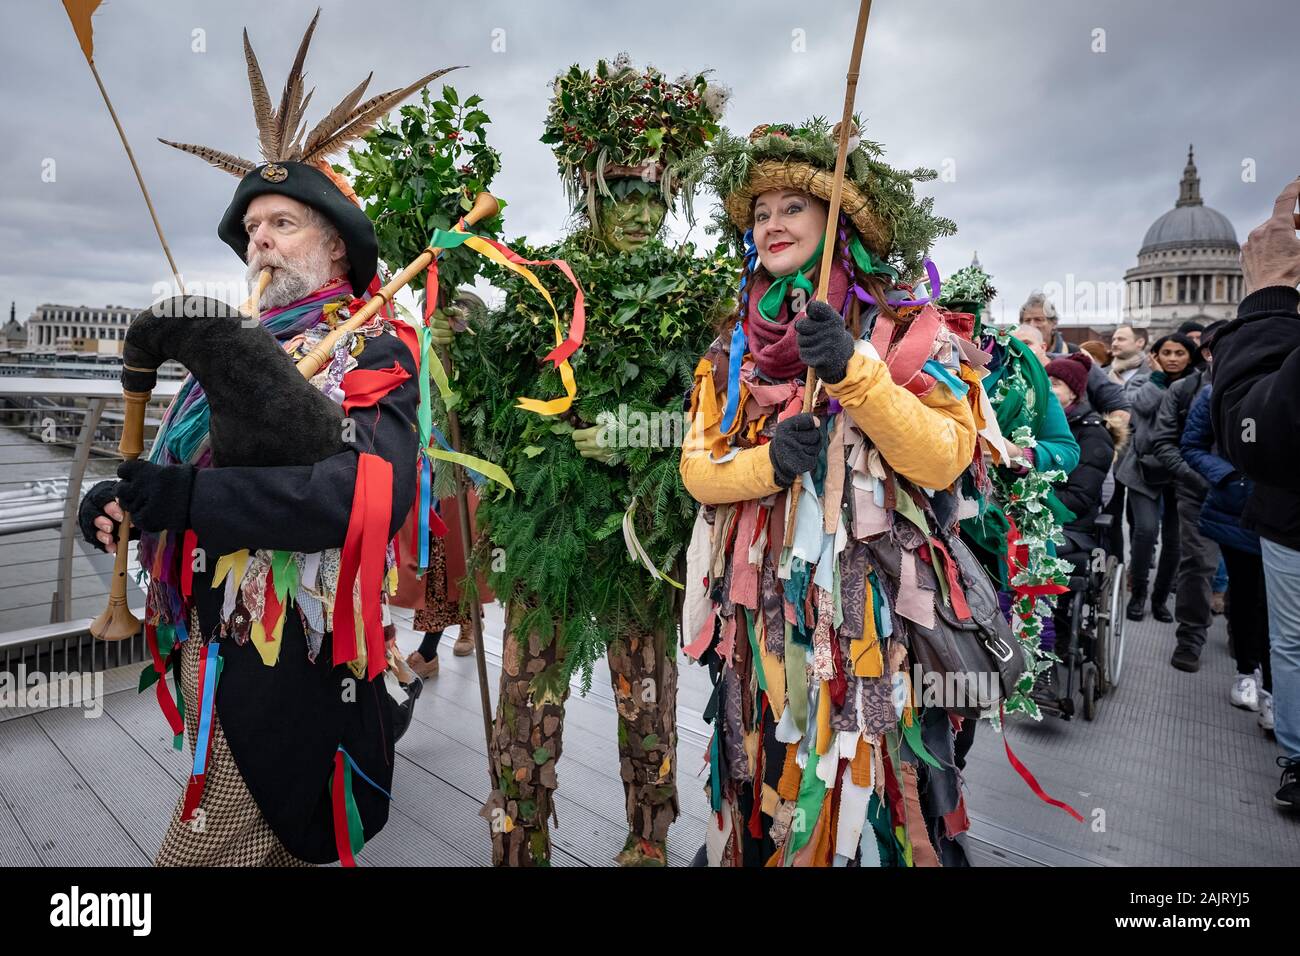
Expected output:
(1115, 628)
(1089, 693)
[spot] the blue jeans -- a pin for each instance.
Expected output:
(1221, 578)
(1282, 580)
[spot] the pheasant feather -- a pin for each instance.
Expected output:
(283, 132)
(236, 165)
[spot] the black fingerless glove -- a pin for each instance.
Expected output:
(795, 446)
(156, 496)
(825, 345)
(92, 507)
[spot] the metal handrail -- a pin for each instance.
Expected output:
(82, 406)
(19, 386)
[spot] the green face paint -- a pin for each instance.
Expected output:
(632, 217)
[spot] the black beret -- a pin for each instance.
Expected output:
(308, 185)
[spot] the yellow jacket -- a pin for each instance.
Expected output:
(929, 440)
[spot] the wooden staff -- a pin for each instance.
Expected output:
(485, 207)
(832, 221)
(117, 623)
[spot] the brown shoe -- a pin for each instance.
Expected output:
(1216, 603)
(464, 645)
(423, 669)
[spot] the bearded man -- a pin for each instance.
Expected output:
(263, 595)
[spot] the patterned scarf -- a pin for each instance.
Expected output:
(772, 341)
(183, 439)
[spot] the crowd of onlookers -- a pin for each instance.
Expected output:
(1190, 443)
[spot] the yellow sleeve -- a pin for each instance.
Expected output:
(929, 440)
(747, 475)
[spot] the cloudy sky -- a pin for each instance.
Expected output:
(1062, 127)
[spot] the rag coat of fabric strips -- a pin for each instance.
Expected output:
(820, 735)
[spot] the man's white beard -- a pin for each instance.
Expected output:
(291, 280)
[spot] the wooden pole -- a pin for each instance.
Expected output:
(476, 606)
(485, 207)
(176, 273)
(832, 222)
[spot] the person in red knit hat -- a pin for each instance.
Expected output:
(1081, 491)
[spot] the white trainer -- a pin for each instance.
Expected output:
(1265, 710)
(1245, 692)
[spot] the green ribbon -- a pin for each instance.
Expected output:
(769, 307)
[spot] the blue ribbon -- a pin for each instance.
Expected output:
(736, 357)
(738, 342)
(941, 372)
(209, 693)
(426, 492)
(358, 771)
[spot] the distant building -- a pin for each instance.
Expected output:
(12, 333)
(66, 328)
(1189, 266)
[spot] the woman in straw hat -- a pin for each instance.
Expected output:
(827, 634)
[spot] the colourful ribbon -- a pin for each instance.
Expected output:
(209, 672)
(739, 343)
(1029, 777)
(363, 555)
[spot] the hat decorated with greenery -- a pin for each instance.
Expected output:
(968, 289)
(619, 122)
(880, 201)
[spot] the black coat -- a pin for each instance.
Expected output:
(1167, 431)
(1255, 407)
(1081, 491)
(284, 723)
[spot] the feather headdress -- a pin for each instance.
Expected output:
(282, 132)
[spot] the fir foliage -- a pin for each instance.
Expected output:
(911, 221)
(651, 315)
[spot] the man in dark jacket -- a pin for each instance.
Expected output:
(1255, 407)
(1199, 556)
(1104, 395)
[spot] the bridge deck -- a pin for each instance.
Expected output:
(1179, 777)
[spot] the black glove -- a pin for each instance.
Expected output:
(824, 343)
(92, 507)
(795, 446)
(156, 496)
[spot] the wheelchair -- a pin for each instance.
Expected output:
(1089, 632)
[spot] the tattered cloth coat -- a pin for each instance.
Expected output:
(819, 735)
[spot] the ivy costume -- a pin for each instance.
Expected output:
(267, 519)
(832, 639)
(587, 553)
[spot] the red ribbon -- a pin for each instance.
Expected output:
(363, 555)
(578, 327)
(194, 789)
(1029, 777)
(364, 387)
(955, 595)
(189, 544)
(161, 690)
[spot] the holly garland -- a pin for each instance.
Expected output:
(971, 286)
(1033, 568)
(620, 115)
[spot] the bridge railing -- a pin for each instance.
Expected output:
(58, 436)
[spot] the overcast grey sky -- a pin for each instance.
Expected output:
(1060, 155)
